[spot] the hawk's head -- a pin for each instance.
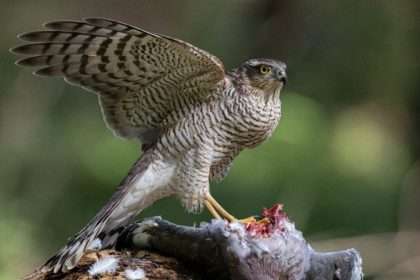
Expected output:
(263, 74)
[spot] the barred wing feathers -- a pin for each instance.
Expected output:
(140, 77)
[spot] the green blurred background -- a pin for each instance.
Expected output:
(344, 160)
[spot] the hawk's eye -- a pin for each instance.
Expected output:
(264, 69)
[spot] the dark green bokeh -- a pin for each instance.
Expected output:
(344, 160)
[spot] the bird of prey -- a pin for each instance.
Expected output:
(192, 117)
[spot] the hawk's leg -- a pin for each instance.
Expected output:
(211, 209)
(217, 210)
(194, 192)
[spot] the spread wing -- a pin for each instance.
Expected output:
(140, 78)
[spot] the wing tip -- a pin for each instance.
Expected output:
(22, 35)
(32, 36)
(47, 72)
(35, 48)
(59, 24)
(21, 49)
(56, 24)
(12, 50)
(88, 19)
(48, 23)
(23, 62)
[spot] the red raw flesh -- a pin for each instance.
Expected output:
(272, 221)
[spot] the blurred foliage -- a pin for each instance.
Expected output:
(344, 160)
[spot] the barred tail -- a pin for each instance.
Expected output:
(132, 196)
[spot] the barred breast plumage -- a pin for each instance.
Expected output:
(192, 117)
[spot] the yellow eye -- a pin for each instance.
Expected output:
(264, 69)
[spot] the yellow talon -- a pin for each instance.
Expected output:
(217, 210)
(248, 220)
(211, 209)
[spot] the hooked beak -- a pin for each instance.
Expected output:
(282, 76)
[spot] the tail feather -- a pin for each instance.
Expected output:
(105, 226)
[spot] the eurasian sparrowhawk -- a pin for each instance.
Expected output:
(192, 117)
